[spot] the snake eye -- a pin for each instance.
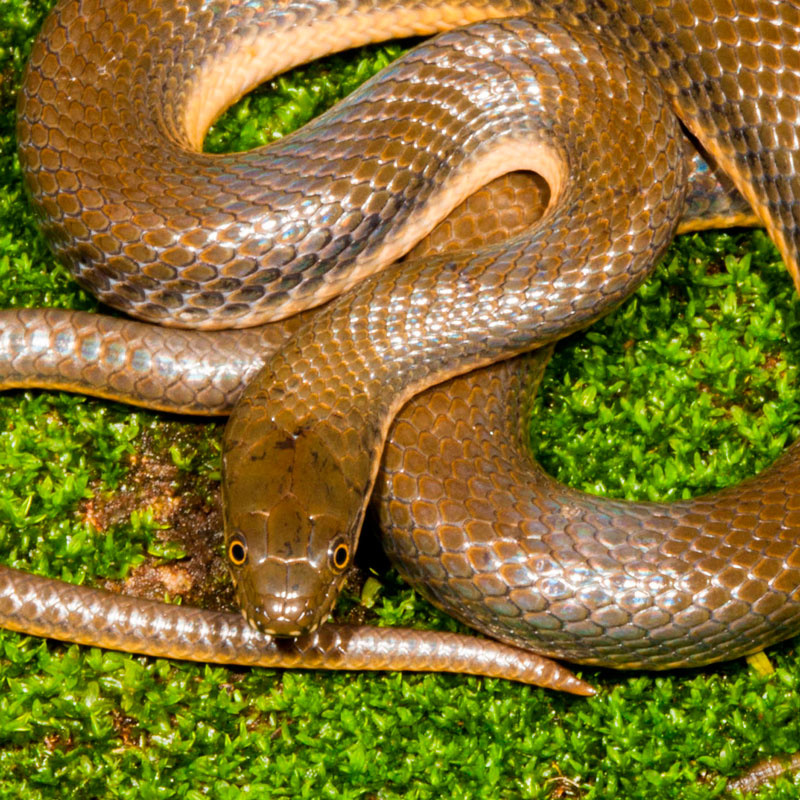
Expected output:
(237, 551)
(340, 555)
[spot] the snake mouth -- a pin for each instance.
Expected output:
(280, 601)
(280, 617)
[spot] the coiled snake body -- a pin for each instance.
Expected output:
(591, 96)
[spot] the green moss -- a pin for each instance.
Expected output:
(286, 103)
(689, 385)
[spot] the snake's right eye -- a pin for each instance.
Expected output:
(237, 551)
(340, 556)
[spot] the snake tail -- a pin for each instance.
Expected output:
(45, 607)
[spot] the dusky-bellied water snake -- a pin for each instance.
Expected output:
(588, 95)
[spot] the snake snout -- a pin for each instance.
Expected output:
(278, 617)
(282, 599)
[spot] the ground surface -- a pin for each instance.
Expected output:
(692, 384)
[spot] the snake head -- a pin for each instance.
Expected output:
(292, 519)
(287, 571)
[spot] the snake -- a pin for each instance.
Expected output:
(297, 245)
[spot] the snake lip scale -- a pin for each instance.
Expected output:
(281, 266)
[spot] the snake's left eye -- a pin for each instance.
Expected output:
(237, 551)
(340, 556)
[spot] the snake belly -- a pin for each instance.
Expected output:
(195, 244)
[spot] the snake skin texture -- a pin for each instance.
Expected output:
(592, 96)
(484, 533)
(199, 372)
(44, 607)
(168, 234)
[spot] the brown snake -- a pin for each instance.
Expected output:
(587, 94)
